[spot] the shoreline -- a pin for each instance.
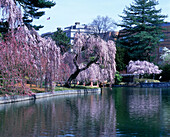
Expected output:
(19, 98)
(147, 85)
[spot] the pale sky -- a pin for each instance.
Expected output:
(66, 12)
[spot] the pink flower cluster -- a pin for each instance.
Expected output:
(88, 48)
(142, 67)
(24, 55)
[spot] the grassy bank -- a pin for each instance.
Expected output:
(35, 89)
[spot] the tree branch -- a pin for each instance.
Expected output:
(75, 61)
(90, 63)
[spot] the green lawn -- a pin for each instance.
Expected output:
(57, 88)
(76, 87)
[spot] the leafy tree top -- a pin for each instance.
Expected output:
(31, 10)
(142, 12)
(141, 28)
(61, 40)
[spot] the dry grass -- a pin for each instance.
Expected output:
(35, 88)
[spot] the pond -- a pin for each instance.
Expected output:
(118, 112)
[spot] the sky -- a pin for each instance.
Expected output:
(66, 12)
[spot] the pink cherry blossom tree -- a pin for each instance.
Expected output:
(47, 57)
(142, 67)
(95, 73)
(10, 13)
(24, 55)
(15, 58)
(17, 63)
(89, 50)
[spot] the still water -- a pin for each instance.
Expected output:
(121, 112)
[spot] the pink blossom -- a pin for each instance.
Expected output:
(142, 67)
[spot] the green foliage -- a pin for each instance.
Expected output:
(61, 40)
(165, 73)
(141, 29)
(118, 78)
(121, 58)
(31, 10)
(37, 27)
(143, 80)
(37, 91)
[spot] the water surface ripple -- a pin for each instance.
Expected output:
(127, 112)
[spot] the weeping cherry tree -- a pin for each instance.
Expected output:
(89, 50)
(142, 67)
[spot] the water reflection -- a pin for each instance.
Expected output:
(141, 111)
(115, 112)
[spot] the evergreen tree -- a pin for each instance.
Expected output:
(31, 10)
(121, 58)
(141, 29)
(61, 40)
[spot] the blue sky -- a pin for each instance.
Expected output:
(67, 12)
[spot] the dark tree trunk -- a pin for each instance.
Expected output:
(75, 74)
(46, 82)
(72, 77)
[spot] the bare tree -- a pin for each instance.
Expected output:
(103, 24)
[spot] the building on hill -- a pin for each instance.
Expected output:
(77, 28)
(84, 29)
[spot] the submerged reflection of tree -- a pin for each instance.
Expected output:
(144, 105)
(93, 116)
(88, 115)
(138, 111)
(16, 118)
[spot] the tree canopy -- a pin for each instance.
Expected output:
(31, 10)
(89, 51)
(24, 54)
(142, 30)
(103, 24)
(61, 40)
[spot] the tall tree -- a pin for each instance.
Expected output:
(141, 29)
(89, 50)
(102, 25)
(24, 54)
(61, 40)
(121, 58)
(32, 10)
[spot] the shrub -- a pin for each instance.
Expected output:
(118, 78)
(143, 80)
(165, 73)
